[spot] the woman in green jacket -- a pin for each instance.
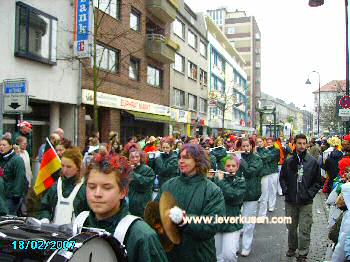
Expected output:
(166, 165)
(232, 184)
(107, 184)
(3, 204)
(196, 196)
(219, 152)
(141, 183)
(12, 170)
(251, 166)
(67, 197)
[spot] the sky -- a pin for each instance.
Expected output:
(295, 40)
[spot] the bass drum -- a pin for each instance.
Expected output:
(25, 242)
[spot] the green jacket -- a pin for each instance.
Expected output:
(3, 204)
(252, 166)
(166, 167)
(29, 141)
(140, 189)
(49, 200)
(233, 189)
(219, 153)
(213, 162)
(274, 159)
(264, 154)
(198, 196)
(142, 242)
(14, 175)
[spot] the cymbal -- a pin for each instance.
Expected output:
(167, 202)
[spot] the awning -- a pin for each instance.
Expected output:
(150, 117)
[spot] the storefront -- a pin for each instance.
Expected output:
(181, 122)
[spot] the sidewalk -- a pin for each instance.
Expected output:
(319, 233)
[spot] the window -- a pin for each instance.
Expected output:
(134, 68)
(192, 70)
(219, 62)
(179, 64)
(217, 84)
(179, 98)
(192, 102)
(203, 49)
(179, 28)
(216, 111)
(36, 34)
(154, 76)
(203, 77)
(192, 39)
(135, 20)
(107, 59)
(111, 7)
(203, 105)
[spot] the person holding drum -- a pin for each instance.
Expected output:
(195, 196)
(141, 184)
(166, 165)
(252, 166)
(67, 197)
(107, 181)
(13, 171)
(232, 184)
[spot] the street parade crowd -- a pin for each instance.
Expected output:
(113, 187)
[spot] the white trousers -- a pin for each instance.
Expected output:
(227, 245)
(264, 196)
(273, 181)
(279, 188)
(250, 209)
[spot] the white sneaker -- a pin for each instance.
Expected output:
(245, 253)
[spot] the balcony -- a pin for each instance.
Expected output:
(164, 10)
(160, 48)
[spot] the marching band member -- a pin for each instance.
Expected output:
(233, 188)
(67, 197)
(219, 151)
(251, 167)
(213, 165)
(166, 165)
(3, 205)
(140, 188)
(107, 186)
(196, 196)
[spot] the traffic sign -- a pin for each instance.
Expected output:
(344, 102)
(15, 95)
(344, 112)
(345, 118)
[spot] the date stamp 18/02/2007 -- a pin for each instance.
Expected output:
(39, 244)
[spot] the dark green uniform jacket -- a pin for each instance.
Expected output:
(251, 166)
(213, 162)
(29, 141)
(49, 200)
(141, 241)
(264, 154)
(219, 153)
(140, 189)
(274, 159)
(198, 196)
(3, 204)
(14, 175)
(233, 188)
(166, 167)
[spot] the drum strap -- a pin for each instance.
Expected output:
(123, 227)
(79, 222)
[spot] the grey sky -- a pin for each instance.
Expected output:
(296, 39)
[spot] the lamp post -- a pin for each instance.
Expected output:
(319, 99)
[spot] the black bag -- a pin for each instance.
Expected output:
(333, 233)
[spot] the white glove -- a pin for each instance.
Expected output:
(176, 215)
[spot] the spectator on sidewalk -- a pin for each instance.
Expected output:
(274, 155)
(300, 180)
(54, 140)
(25, 129)
(21, 143)
(314, 149)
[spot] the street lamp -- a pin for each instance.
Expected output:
(319, 99)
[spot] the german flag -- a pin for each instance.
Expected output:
(50, 164)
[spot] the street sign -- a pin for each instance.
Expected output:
(344, 112)
(15, 96)
(344, 102)
(345, 118)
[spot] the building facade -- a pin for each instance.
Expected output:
(37, 48)
(243, 33)
(134, 52)
(189, 73)
(228, 89)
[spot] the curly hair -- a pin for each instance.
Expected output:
(199, 156)
(107, 164)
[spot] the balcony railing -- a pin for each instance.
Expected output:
(164, 10)
(160, 48)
